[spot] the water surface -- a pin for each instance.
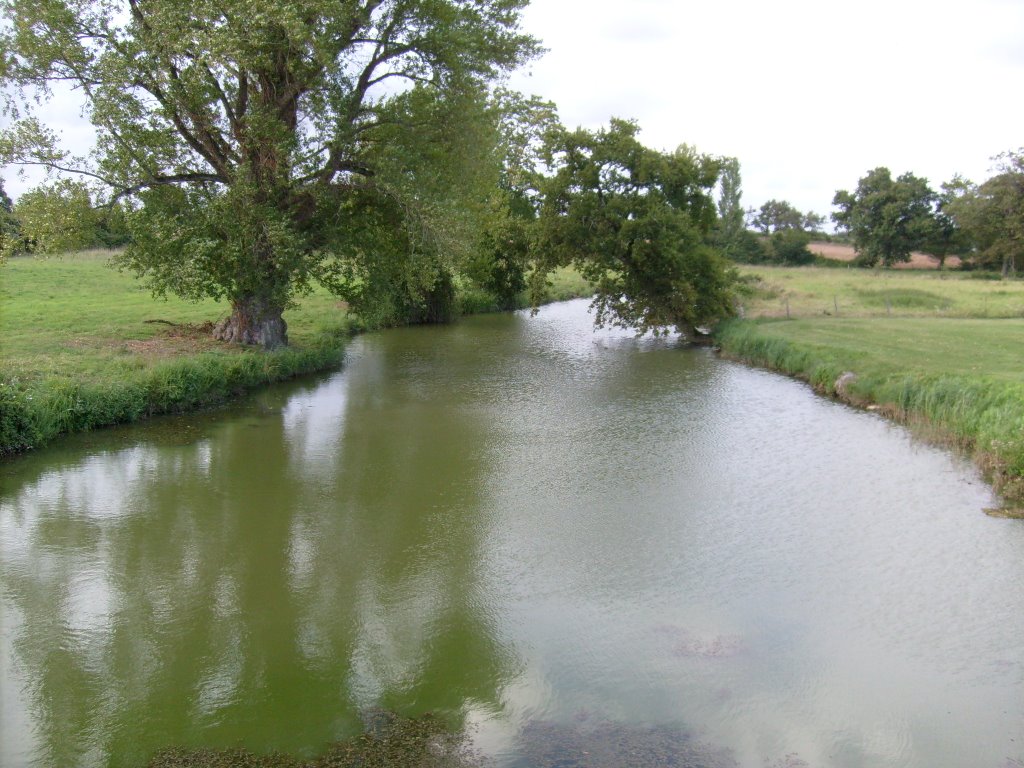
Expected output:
(572, 542)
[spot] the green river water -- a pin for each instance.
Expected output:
(587, 548)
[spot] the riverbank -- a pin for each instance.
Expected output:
(942, 356)
(85, 346)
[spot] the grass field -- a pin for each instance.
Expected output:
(817, 292)
(82, 346)
(74, 316)
(943, 351)
(875, 345)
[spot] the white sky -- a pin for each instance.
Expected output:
(808, 94)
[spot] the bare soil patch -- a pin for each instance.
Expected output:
(841, 252)
(176, 339)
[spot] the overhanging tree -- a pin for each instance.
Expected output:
(635, 222)
(262, 146)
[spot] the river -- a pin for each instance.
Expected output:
(575, 542)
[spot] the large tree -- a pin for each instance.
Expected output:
(636, 222)
(991, 214)
(264, 146)
(731, 224)
(887, 218)
(946, 237)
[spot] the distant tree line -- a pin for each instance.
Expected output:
(775, 233)
(887, 219)
(61, 217)
(983, 224)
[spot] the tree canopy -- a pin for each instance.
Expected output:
(887, 218)
(991, 214)
(9, 236)
(776, 216)
(262, 147)
(636, 222)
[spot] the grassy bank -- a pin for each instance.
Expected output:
(924, 349)
(83, 346)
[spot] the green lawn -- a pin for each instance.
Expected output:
(75, 316)
(975, 347)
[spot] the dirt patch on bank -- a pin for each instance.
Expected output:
(174, 339)
(918, 260)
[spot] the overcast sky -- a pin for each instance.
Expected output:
(808, 94)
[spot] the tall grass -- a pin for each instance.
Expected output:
(34, 414)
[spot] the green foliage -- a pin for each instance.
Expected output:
(34, 415)
(407, 243)
(10, 232)
(789, 247)
(503, 259)
(751, 248)
(813, 223)
(635, 222)
(265, 147)
(777, 216)
(112, 227)
(504, 256)
(946, 237)
(57, 218)
(784, 236)
(732, 237)
(887, 219)
(991, 215)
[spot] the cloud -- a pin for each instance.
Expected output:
(808, 95)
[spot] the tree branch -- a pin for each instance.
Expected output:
(163, 181)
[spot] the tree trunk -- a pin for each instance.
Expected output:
(253, 321)
(1009, 266)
